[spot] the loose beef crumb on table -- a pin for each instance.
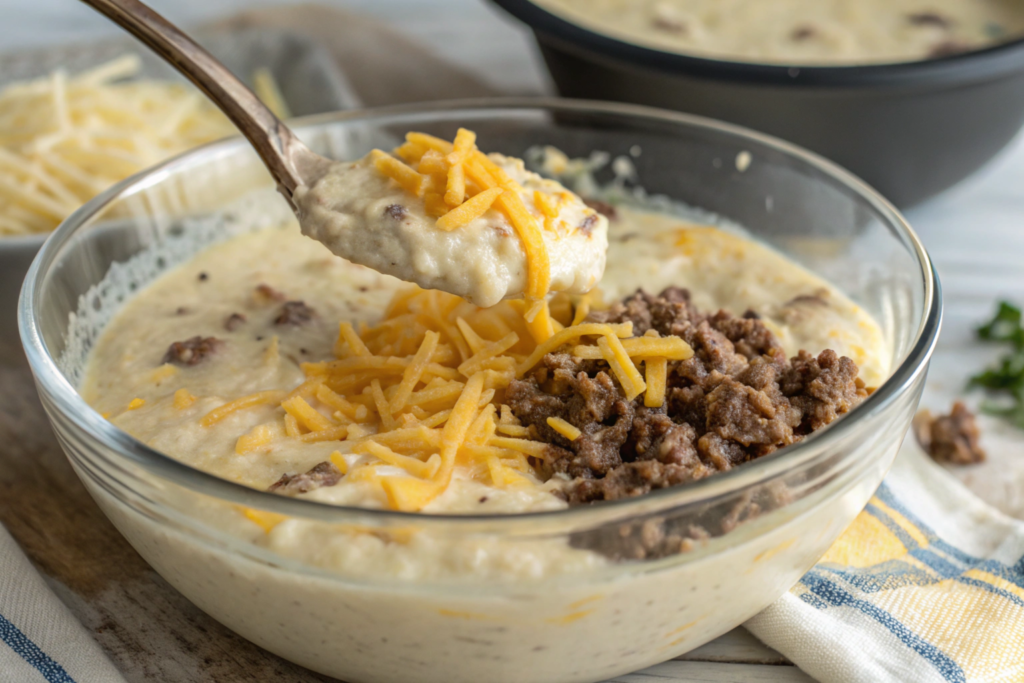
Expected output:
(739, 398)
(953, 438)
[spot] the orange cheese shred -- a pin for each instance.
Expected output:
(250, 401)
(656, 370)
(564, 428)
(470, 210)
(411, 181)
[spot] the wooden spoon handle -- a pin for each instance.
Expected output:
(274, 141)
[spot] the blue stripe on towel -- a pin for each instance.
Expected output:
(30, 652)
(898, 573)
(1011, 574)
(837, 597)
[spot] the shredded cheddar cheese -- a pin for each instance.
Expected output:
(252, 400)
(657, 370)
(468, 211)
(183, 399)
(420, 395)
(411, 181)
(622, 365)
(64, 138)
(339, 461)
(306, 415)
(671, 348)
(260, 436)
(165, 371)
(265, 520)
(564, 428)
(459, 184)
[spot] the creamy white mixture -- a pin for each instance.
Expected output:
(803, 32)
(367, 218)
(429, 605)
(128, 381)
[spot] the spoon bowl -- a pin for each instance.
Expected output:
(353, 209)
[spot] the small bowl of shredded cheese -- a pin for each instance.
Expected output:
(64, 138)
(68, 133)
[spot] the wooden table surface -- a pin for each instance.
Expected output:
(154, 634)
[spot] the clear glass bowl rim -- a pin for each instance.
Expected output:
(69, 403)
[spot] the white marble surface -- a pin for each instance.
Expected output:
(974, 232)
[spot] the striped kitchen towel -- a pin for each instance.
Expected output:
(40, 640)
(926, 585)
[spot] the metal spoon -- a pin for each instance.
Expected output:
(289, 161)
(482, 278)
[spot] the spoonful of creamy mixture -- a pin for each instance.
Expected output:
(446, 216)
(440, 214)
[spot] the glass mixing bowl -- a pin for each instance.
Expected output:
(507, 613)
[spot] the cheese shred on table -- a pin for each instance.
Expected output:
(421, 392)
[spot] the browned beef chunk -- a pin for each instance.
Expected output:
(594, 402)
(953, 438)
(265, 293)
(635, 309)
(191, 351)
(948, 48)
(748, 335)
(738, 398)
(587, 226)
(294, 313)
(822, 388)
(802, 33)
(628, 480)
(929, 19)
(603, 208)
(234, 321)
(670, 313)
(323, 474)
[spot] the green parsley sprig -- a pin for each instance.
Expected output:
(1006, 379)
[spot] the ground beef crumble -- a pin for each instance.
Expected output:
(929, 19)
(738, 398)
(953, 438)
(948, 48)
(266, 294)
(234, 321)
(603, 208)
(323, 474)
(191, 351)
(295, 313)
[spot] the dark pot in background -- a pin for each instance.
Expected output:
(910, 129)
